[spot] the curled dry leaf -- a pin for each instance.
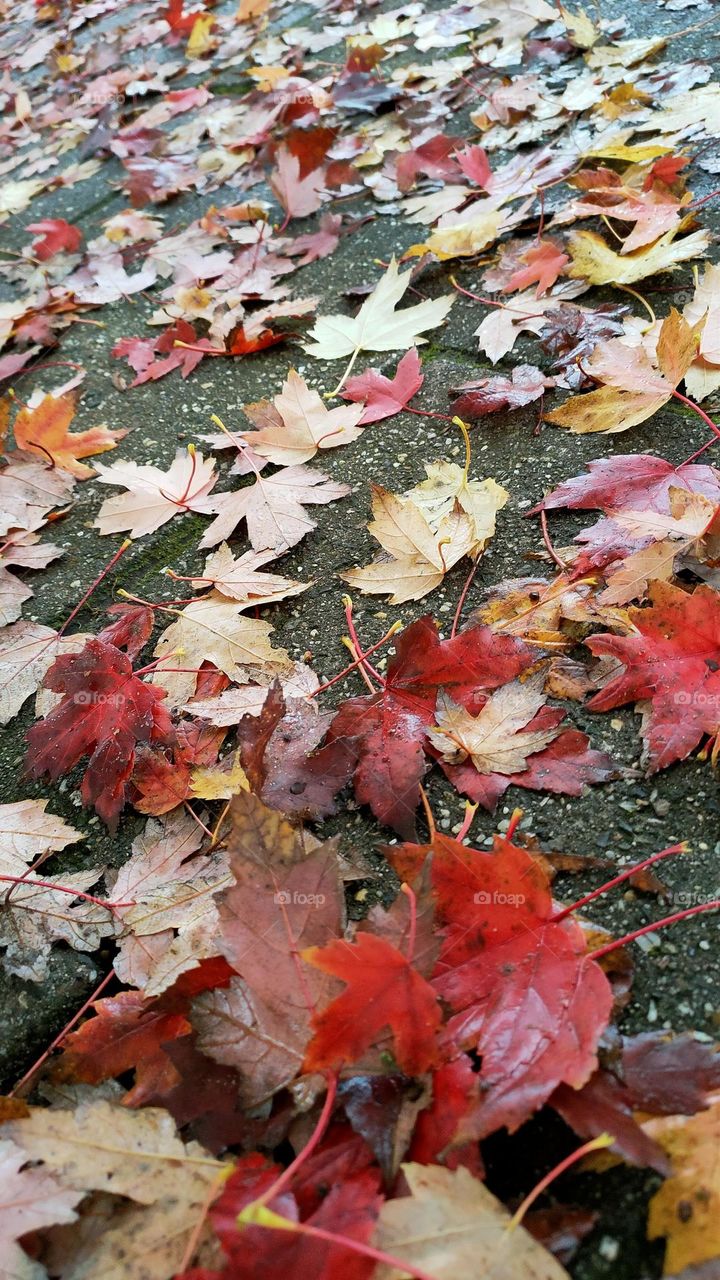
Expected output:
(425, 532)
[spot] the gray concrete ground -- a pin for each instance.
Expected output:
(676, 981)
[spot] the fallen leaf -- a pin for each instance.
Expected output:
(383, 397)
(213, 629)
(44, 430)
(240, 579)
(273, 507)
(671, 660)
(298, 196)
(451, 1225)
(388, 728)
(488, 395)
(27, 651)
(378, 326)
(54, 235)
(36, 918)
(595, 261)
(383, 991)
(426, 531)
(104, 713)
(640, 481)
(155, 496)
(501, 737)
(30, 1198)
(287, 896)
(173, 922)
(297, 423)
(634, 388)
(544, 262)
(31, 834)
(685, 1208)
(464, 234)
(169, 1182)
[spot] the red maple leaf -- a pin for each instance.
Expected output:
(545, 261)
(132, 630)
(455, 1090)
(386, 396)
(488, 395)
(673, 660)
(347, 1203)
(475, 165)
(105, 712)
(522, 990)
(534, 1007)
(388, 727)
(129, 1032)
(279, 756)
(54, 234)
(667, 170)
(565, 767)
(433, 158)
(140, 353)
(383, 991)
(179, 22)
(639, 481)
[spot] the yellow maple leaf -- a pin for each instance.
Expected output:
(219, 781)
(686, 1209)
(463, 239)
(595, 261)
(582, 32)
(200, 40)
(634, 388)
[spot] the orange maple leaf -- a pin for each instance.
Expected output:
(44, 430)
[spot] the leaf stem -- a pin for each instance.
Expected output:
(595, 1144)
(696, 409)
(396, 626)
(548, 543)
(470, 811)
(318, 1132)
(330, 395)
(347, 602)
(620, 879)
(653, 928)
(412, 901)
(32, 1071)
(463, 594)
(367, 1250)
(93, 585)
(61, 888)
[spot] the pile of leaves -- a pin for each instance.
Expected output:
(259, 1086)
